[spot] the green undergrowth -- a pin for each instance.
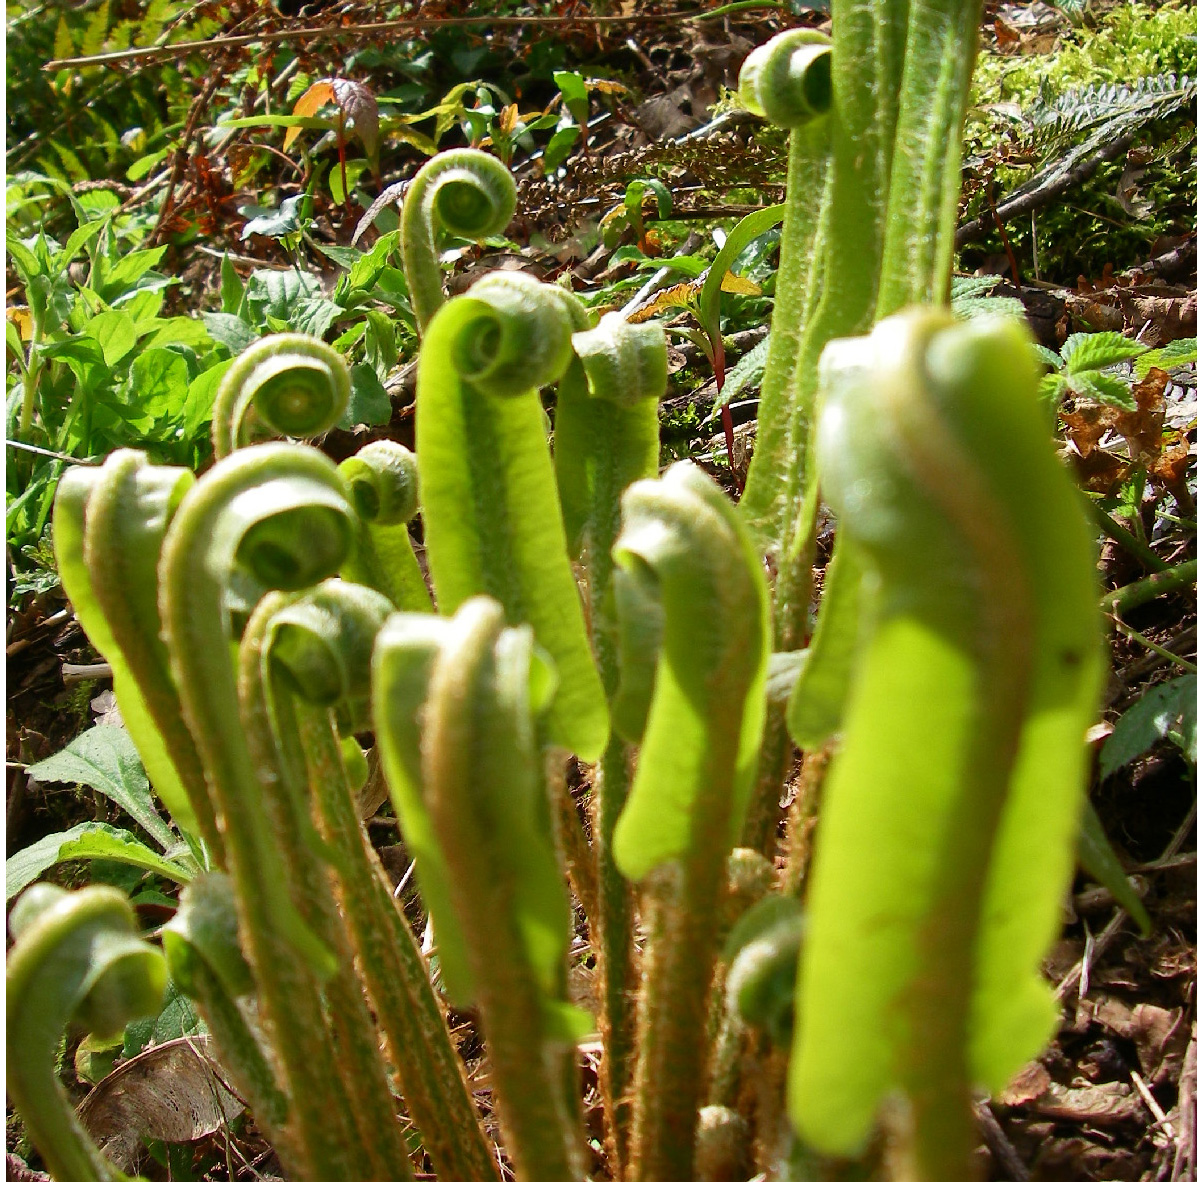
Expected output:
(1131, 42)
(1030, 109)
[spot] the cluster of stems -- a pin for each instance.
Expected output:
(267, 620)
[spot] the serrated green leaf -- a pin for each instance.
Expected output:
(1049, 357)
(1052, 387)
(1104, 387)
(105, 759)
(968, 287)
(230, 330)
(1171, 356)
(96, 31)
(1085, 351)
(85, 842)
(64, 43)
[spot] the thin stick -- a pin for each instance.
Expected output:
(1150, 645)
(998, 1143)
(421, 24)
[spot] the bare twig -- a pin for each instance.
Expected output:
(1184, 1164)
(1056, 183)
(999, 1145)
(423, 25)
(73, 673)
(1173, 263)
(54, 455)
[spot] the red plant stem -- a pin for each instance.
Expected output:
(729, 434)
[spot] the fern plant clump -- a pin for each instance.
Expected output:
(272, 622)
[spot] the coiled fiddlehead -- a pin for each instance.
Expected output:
(464, 191)
(298, 659)
(605, 438)
(206, 963)
(277, 516)
(946, 832)
(314, 655)
(455, 707)
(492, 521)
(76, 957)
(696, 768)
(605, 433)
(109, 525)
(287, 384)
(382, 478)
(788, 80)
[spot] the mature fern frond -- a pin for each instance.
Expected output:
(1107, 117)
(1106, 112)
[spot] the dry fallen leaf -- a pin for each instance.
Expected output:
(172, 1092)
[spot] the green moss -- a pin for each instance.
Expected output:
(1133, 41)
(1088, 226)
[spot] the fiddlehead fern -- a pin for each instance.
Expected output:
(358, 1092)
(319, 644)
(696, 767)
(314, 654)
(605, 438)
(788, 80)
(941, 46)
(981, 670)
(76, 957)
(605, 434)
(383, 481)
(206, 963)
(464, 191)
(492, 522)
(469, 782)
(109, 524)
(280, 516)
(287, 384)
